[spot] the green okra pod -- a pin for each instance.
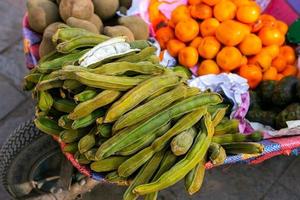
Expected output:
(71, 84)
(90, 154)
(243, 147)
(184, 166)
(47, 125)
(145, 141)
(64, 105)
(57, 63)
(108, 164)
(120, 68)
(87, 120)
(144, 175)
(194, 179)
(139, 93)
(150, 108)
(64, 34)
(85, 95)
(69, 135)
(167, 162)
(217, 154)
(71, 148)
(86, 142)
(148, 51)
(80, 42)
(238, 137)
(119, 141)
(114, 177)
(45, 101)
(49, 84)
(181, 143)
(102, 99)
(65, 122)
(105, 130)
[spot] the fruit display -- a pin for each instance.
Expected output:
(97, 16)
(273, 103)
(226, 36)
(122, 114)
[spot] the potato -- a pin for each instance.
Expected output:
(41, 13)
(47, 45)
(84, 24)
(106, 9)
(52, 28)
(81, 9)
(137, 25)
(114, 31)
(125, 3)
(97, 22)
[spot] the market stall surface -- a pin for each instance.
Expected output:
(274, 179)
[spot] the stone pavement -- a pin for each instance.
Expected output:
(276, 179)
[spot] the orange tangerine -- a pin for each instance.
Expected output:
(270, 74)
(248, 13)
(229, 58)
(208, 67)
(196, 42)
(211, 2)
(180, 13)
(201, 11)
(225, 10)
(252, 73)
(270, 36)
(231, 32)
(174, 46)
(290, 70)
(272, 50)
(209, 26)
(186, 30)
(288, 53)
(250, 45)
(279, 63)
(188, 56)
(209, 47)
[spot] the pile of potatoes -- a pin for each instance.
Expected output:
(97, 16)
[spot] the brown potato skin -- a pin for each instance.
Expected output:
(41, 13)
(47, 45)
(95, 19)
(81, 9)
(80, 23)
(137, 25)
(115, 31)
(106, 9)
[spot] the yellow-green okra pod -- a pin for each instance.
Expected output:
(64, 105)
(65, 122)
(119, 141)
(194, 179)
(108, 164)
(80, 42)
(45, 101)
(67, 33)
(102, 99)
(183, 167)
(87, 120)
(113, 177)
(145, 141)
(144, 175)
(150, 108)
(49, 84)
(141, 56)
(186, 122)
(181, 143)
(47, 125)
(106, 82)
(85, 95)
(120, 68)
(139, 93)
(216, 153)
(167, 162)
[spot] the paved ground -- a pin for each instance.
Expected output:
(274, 179)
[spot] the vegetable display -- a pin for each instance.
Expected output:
(130, 118)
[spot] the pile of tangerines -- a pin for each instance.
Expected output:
(228, 36)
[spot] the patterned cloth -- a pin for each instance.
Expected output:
(273, 146)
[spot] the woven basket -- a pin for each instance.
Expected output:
(273, 147)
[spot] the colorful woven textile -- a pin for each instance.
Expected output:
(273, 147)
